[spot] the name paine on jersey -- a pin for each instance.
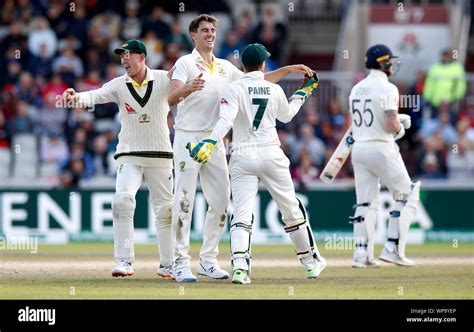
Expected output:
(259, 90)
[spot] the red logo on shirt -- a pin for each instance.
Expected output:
(129, 108)
(224, 101)
(200, 68)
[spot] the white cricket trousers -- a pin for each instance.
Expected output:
(215, 184)
(378, 160)
(160, 187)
(270, 165)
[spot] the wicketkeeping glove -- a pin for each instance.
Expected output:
(201, 152)
(306, 90)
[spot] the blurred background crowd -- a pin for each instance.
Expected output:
(48, 46)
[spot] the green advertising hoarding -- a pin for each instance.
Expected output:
(58, 216)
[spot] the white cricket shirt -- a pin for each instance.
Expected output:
(368, 101)
(251, 106)
(144, 135)
(200, 110)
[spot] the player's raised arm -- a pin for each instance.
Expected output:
(182, 85)
(288, 110)
(278, 74)
(228, 112)
(106, 94)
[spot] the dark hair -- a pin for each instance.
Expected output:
(194, 25)
(252, 68)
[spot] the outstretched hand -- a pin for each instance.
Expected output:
(70, 94)
(301, 69)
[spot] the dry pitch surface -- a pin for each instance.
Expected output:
(83, 271)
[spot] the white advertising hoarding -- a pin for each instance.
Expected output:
(418, 46)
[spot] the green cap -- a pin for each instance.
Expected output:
(254, 54)
(132, 46)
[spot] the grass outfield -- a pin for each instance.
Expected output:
(82, 271)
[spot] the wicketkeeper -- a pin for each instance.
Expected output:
(251, 106)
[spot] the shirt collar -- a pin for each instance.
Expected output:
(197, 56)
(257, 74)
(378, 74)
(149, 77)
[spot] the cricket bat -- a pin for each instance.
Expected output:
(338, 158)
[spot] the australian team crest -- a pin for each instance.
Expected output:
(144, 118)
(221, 71)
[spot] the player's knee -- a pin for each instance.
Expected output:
(241, 224)
(375, 203)
(298, 218)
(164, 211)
(123, 205)
(361, 211)
(218, 206)
(293, 225)
(414, 196)
(406, 201)
(184, 202)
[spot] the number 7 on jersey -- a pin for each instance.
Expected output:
(262, 106)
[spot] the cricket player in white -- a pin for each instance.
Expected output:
(197, 86)
(251, 105)
(144, 150)
(376, 125)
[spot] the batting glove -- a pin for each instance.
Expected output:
(201, 152)
(405, 120)
(400, 133)
(306, 90)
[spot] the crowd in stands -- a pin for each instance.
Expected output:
(48, 46)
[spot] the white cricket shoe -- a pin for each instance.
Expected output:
(212, 271)
(165, 271)
(393, 257)
(123, 269)
(316, 271)
(365, 264)
(184, 274)
(361, 260)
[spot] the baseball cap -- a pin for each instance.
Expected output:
(132, 46)
(254, 54)
(376, 54)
